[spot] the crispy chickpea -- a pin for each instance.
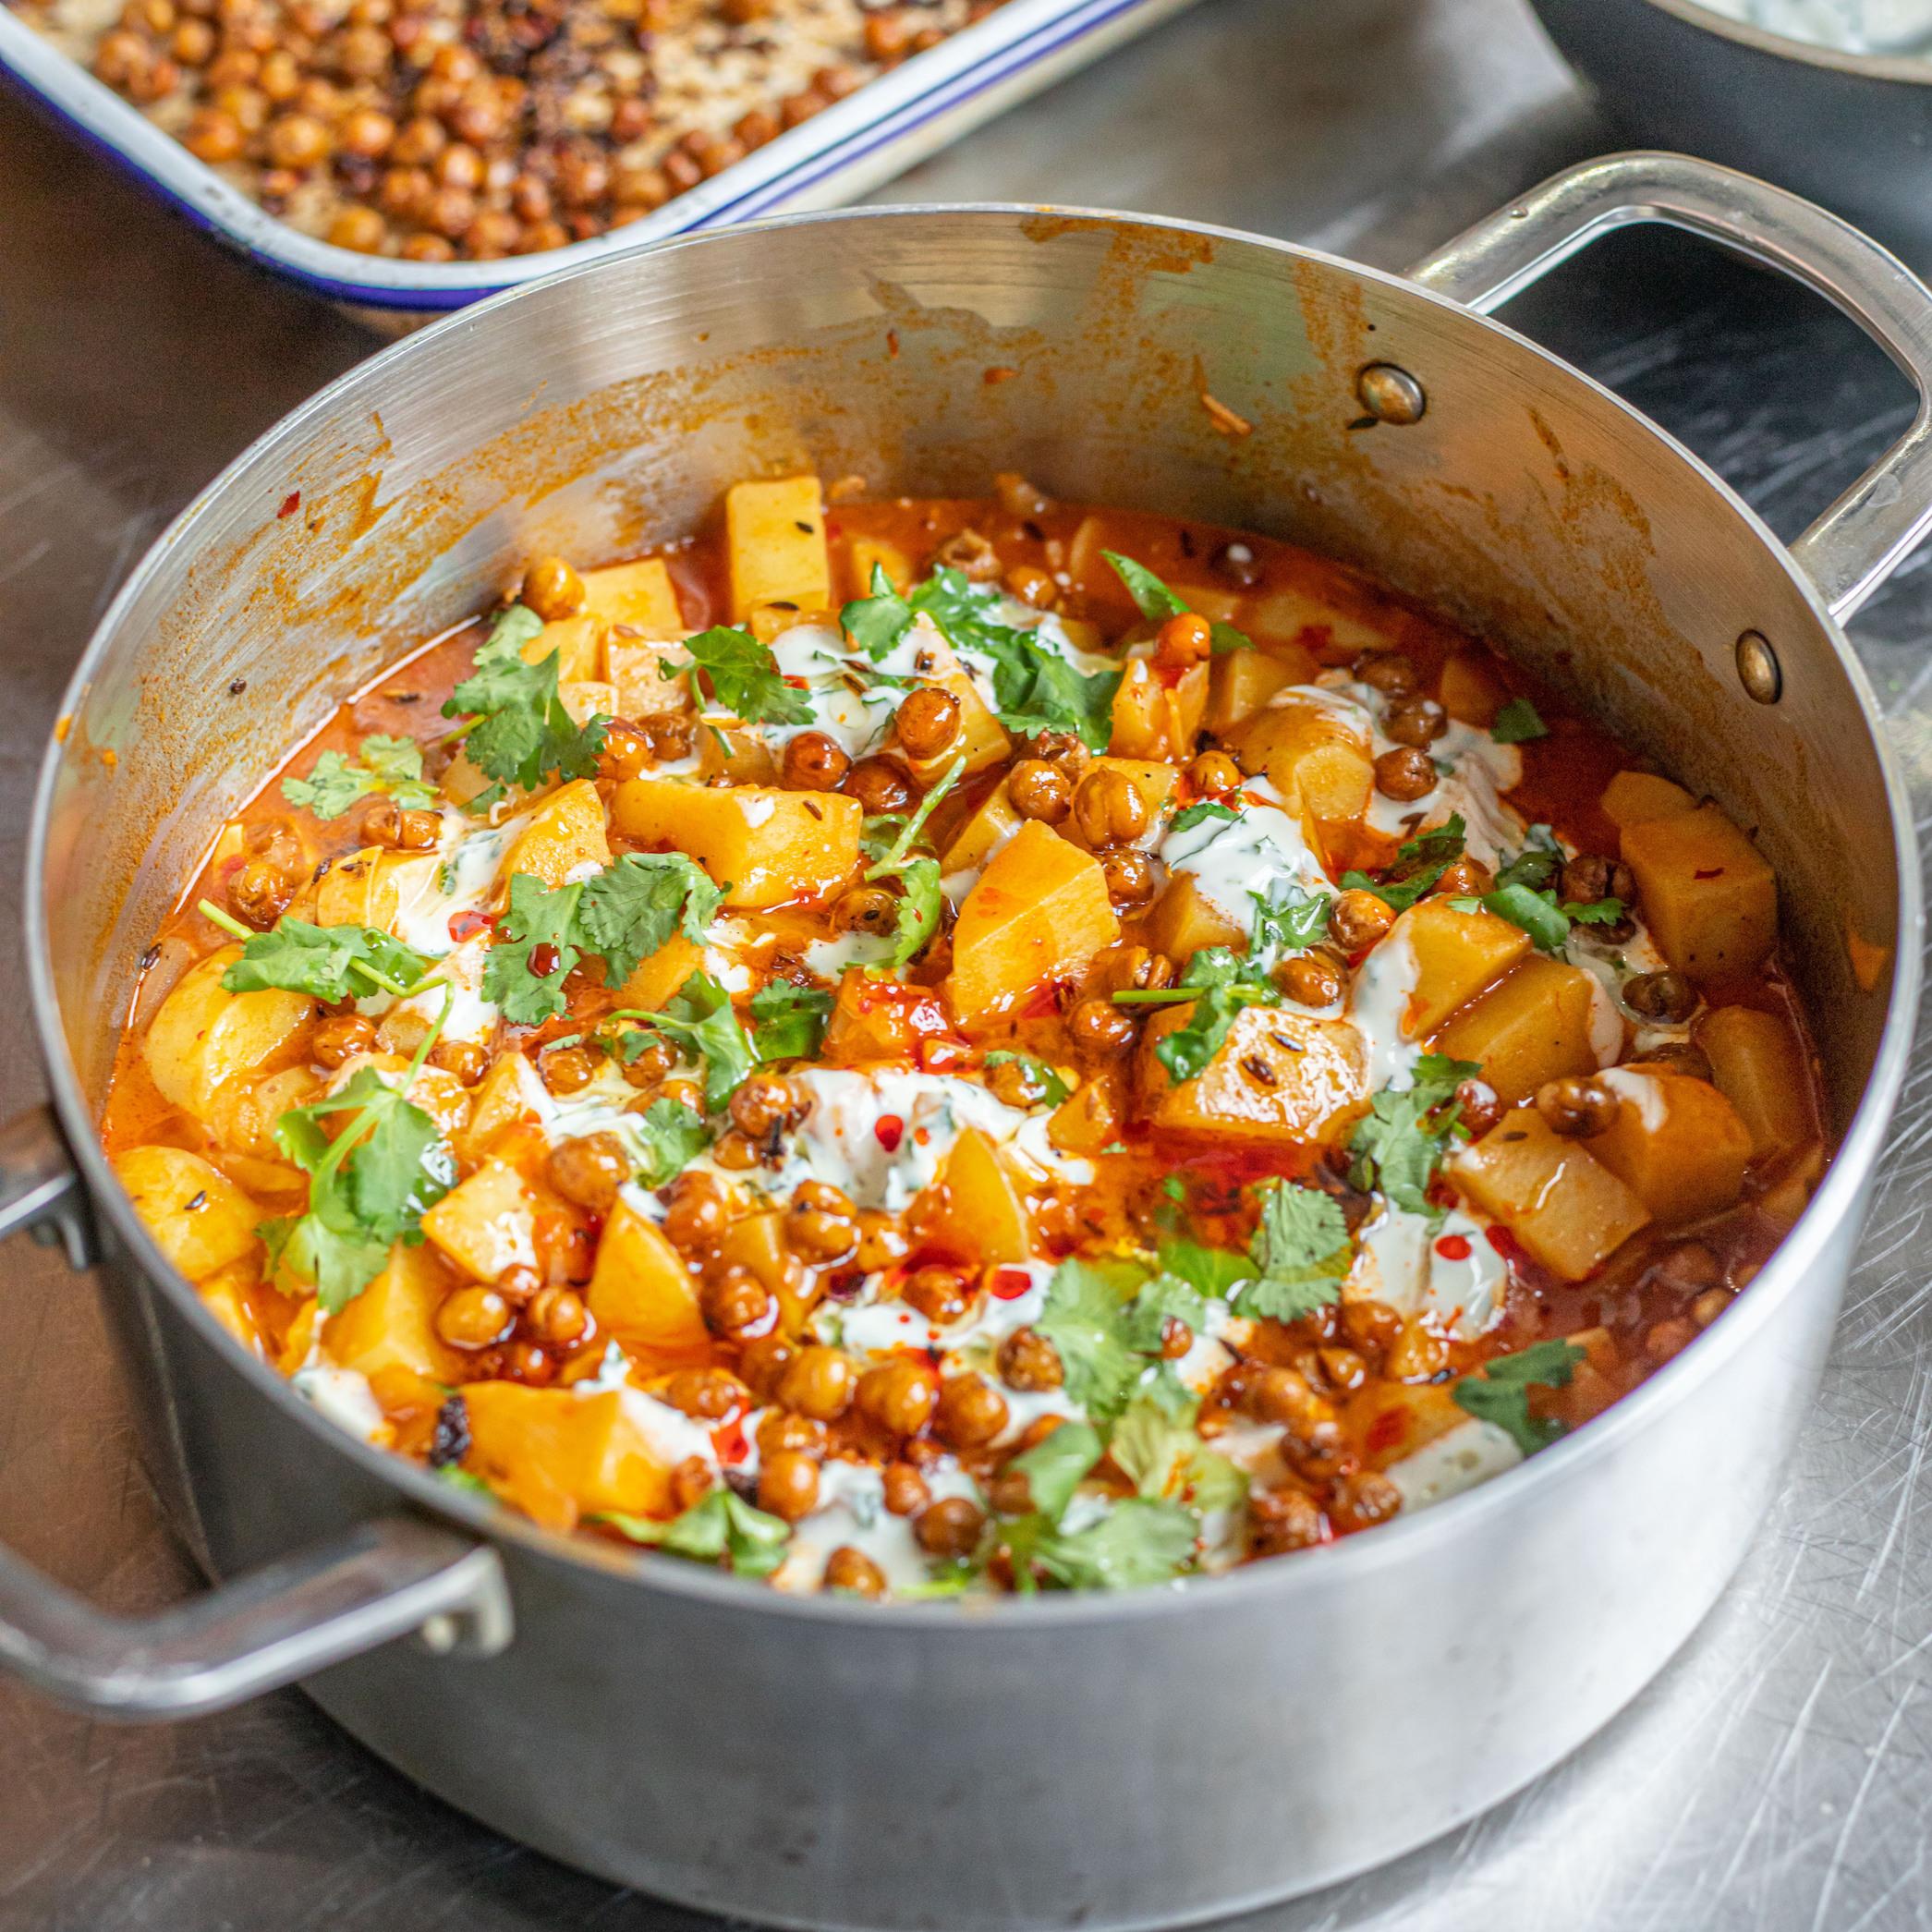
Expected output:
(928, 721)
(879, 785)
(670, 737)
(905, 1490)
(1418, 721)
(361, 229)
(1418, 1353)
(1665, 996)
(1388, 672)
(525, 1362)
(474, 1317)
(950, 1526)
(1709, 1306)
(1182, 641)
(1677, 1056)
(779, 1430)
(1669, 1338)
(1029, 1361)
(338, 1041)
(1342, 1367)
(1577, 1106)
(690, 1483)
(626, 753)
(1372, 1326)
(1129, 875)
(1100, 1026)
(853, 1572)
(938, 1293)
(1011, 1492)
(259, 891)
(1590, 877)
(1215, 775)
(590, 1170)
(213, 136)
(867, 908)
(1015, 1083)
(519, 1284)
(1309, 980)
(1481, 1106)
(1689, 1269)
(568, 1070)
(299, 141)
(1282, 1395)
(1284, 1519)
(468, 1060)
(401, 830)
(818, 1224)
(814, 763)
(1405, 774)
(1357, 920)
(1109, 810)
(1038, 790)
(761, 1105)
(192, 44)
(1363, 1499)
(881, 1240)
(818, 1382)
(735, 1301)
(900, 1395)
(761, 1363)
(788, 1484)
(557, 1318)
(971, 1411)
(697, 1216)
(705, 1394)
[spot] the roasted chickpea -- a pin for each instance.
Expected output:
(938, 1293)
(557, 1318)
(1405, 774)
(1677, 1056)
(968, 552)
(1184, 641)
(971, 1411)
(1689, 1269)
(590, 1170)
(297, 142)
(626, 753)
(928, 722)
(879, 785)
(900, 1394)
(1284, 1519)
(670, 737)
(1590, 877)
(1669, 1338)
(690, 1483)
(1038, 790)
(1100, 1026)
(1129, 874)
(1357, 920)
(1388, 672)
(519, 1285)
(1215, 775)
(867, 908)
(818, 1382)
(1341, 1368)
(950, 1526)
(1109, 810)
(259, 891)
(779, 1430)
(814, 763)
(389, 824)
(468, 1060)
(1363, 1499)
(1709, 1306)
(735, 1301)
(569, 1069)
(905, 1490)
(1481, 1106)
(474, 1317)
(361, 229)
(854, 1572)
(1029, 1361)
(762, 1105)
(525, 1362)
(705, 1394)
(735, 1151)
(788, 1484)
(819, 1236)
(1309, 980)
(697, 1216)
(761, 1362)
(1419, 722)
(1665, 996)
(338, 1041)
(1577, 1106)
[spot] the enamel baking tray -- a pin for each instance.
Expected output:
(873, 134)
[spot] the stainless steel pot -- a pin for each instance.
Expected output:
(1136, 1760)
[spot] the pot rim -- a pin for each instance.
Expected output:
(1911, 70)
(1403, 1539)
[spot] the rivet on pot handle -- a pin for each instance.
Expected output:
(1864, 536)
(395, 1577)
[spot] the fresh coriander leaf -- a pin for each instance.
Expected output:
(521, 732)
(320, 961)
(1156, 603)
(1215, 1272)
(670, 1135)
(1044, 1086)
(1162, 1455)
(392, 765)
(1399, 1143)
(1301, 1247)
(700, 1021)
(723, 1527)
(1291, 924)
(397, 765)
(1538, 864)
(1517, 722)
(1166, 1295)
(1055, 1467)
(460, 1478)
(1536, 913)
(1501, 1393)
(1084, 1317)
(1224, 983)
(1138, 1542)
(745, 678)
(916, 917)
(877, 621)
(1200, 812)
(1597, 912)
(535, 930)
(789, 1021)
(1420, 863)
(630, 908)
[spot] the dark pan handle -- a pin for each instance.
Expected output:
(1871, 530)
(400, 1576)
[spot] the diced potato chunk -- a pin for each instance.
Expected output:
(1278, 1077)
(635, 667)
(1472, 693)
(574, 642)
(641, 1292)
(560, 1456)
(1457, 954)
(774, 536)
(975, 1210)
(1636, 797)
(486, 1224)
(1153, 780)
(1388, 1421)
(203, 1037)
(661, 976)
(1184, 920)
(563, 839)
(1313, 756)
(1295, 617)
(508, 1095)
(992, 824)
(1154, 718)
(391, 1324)
(639, 596)
(1241, 682)
(198, 1218)
(436, 1090)
(864, 554)
(588, 698)
(765, 847)
(1534, 1026)
(369, 887)
(244, 1113)
(1038, 913)
(225, 1297)
(1706, 893)
(1677, 1143)
(738, 752)
(1760, 1069)
(1567, 1210)
(758, 1241)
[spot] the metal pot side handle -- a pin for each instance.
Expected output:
(1869, 531)
(399, 1576)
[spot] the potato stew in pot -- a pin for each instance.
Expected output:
(936, 1046)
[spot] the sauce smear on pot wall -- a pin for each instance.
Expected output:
(957, 1046)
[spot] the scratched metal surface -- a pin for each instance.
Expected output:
(1776, 1777)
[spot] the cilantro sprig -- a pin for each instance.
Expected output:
(744, 676)
(1302, 1248)
(1200, 812)
(788, 1021)
(1400, 1142)
(722, 1528)
(1420, 863)
(1220, 984)
(1044, 1086)
(921, 898)
(1156, 603)
(1138, 1542)
(384, 764)
(667, 1136)
(318, 960)
(1517, 722)
(1500, 1393)
(518, 731)
(700, 1021)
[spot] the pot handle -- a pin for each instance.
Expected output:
(1869, 531)
(394, 1577)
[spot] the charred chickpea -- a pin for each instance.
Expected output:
(474, 1317)
(1372, 1326)
(557, 1318)
(1038, 790)
(670, 737)
(761, 1105)
(1577, 1106)
(867, 908)
(1405, 773)
(705, 1394)
(736, 1151)
(519, 1284)
(1481, 1106)
(928, 722)
(1665, 996)
(1309, 980)
(1357, 920)
(879, 785)
(1182, 641)
(1011, 1492)
(971, 1412)
(568, 1070)
(818, 1382)
(1669, 1338)
(1129, 875)
(938, 1293)
(1029, 1362)
(338, 1041)
(1284, 1519)
(1677, 1056)
(1416, 721)
(735, 1301)
(950, 1526)
(690, 1483)
(1100, 1026)
(1176, 1338)
(259, 891)
(900, 1395)
(552, 589)
(468, 1060)
(761, 1363)
(1363, 1499)
(653, 1064)
(590, 1170)
(1109, 810)
(697, 1216)
(1215, 775)
(1464, 878)
(818, 1224)
(881, 1240)
(1689, 1269)
(779, 1430)
(788, 1484)
(525, 1362)
(905, 1490)
(1388, 672)
(1342, 1367)
(814, 763)
(626, 751)
(853, 1572)
(402, 829)
(1709, 1306)
(1590, 877)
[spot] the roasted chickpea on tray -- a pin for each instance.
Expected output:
(931, 1046)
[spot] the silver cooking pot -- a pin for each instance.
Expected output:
(1112, 1761)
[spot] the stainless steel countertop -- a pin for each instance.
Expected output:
(1776, 1777)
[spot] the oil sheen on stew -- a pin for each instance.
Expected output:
(920, 1047)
